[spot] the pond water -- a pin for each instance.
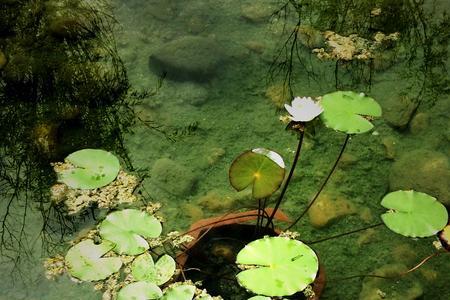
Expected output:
(211, 78)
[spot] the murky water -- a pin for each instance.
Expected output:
(229, 67)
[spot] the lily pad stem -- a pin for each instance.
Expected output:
(344, 234)
(288, 179)
(347, 137)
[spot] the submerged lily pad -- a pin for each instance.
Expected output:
(179, 292)
(281, 266)
(94, 168)
(348, 111)
(413, 214)
(128, 228)
(140, 290)
(144, 269)
(85, 261)
(259, 168)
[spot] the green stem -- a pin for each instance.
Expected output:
(288, 179)
(323, 184)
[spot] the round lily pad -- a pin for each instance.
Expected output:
(128, 228)
(413, 214)
(93, 168)
(259, 168)
(279, 266)
(259, 298)
(140, 290)
(349, 112)
(85, 261)
(144, 269)
(179, 292)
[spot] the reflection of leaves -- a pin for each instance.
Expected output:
(85, 261)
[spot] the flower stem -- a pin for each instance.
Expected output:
(288, 179)
(323, 184)
(344, 234)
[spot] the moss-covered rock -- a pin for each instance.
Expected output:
(422, 170)
(172, 177)
(187, 58)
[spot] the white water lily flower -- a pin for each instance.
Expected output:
(303, 109)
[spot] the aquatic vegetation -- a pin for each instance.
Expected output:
(349, 112)
(90, 169)
(144, 269)
(128, 228)
(413, 214)
(259, 168)
(140, 290)
(276, 266)
(85, 262)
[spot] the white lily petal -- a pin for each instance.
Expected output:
(303, 109)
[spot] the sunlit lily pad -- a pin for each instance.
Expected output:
(86, 263)
(94, 168)
(349, 112)
(280, 266)
(128, 228)
(413, 214)
(259, 298)
(179, 292)
(144, 269)
(259, 168)
(140, 290)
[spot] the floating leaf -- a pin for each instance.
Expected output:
(94, 168)
(259, 298)
(144, 269)
(260, 168)
(348, 112)
(282, 266)
(127, 229)
(179, 292)
(413, 214)
(140, 290)
(85, 261)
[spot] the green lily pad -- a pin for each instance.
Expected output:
(140, 290)
(94, 168)
(281, 266)
(348, 111)
(85, 262)
(128, 228)
(259, 298)
(259, 168)
(144, 269)
(413, 214)
(179, 292)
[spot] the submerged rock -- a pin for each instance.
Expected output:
(328, 208)
(398, 111)
(172, 177)
(187, 58)
(423, 171)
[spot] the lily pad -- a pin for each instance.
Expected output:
(128, 228)
(94, 168)
(144, 269)
(259, 168)
(279, 266)
(349, 112)
(413, 214)
(140, 290)
(85, 261)
(259, 298)
(179, 292)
